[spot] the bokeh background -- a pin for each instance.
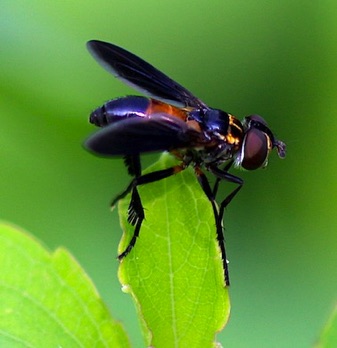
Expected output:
(275, 58)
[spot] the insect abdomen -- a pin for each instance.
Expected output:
(120, 109)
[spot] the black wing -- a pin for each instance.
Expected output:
(160, 132)
(141, 75)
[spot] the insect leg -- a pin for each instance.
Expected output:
(222, 174)
(133, 165)
(219, 230)
(134, 218)
(135, 210)
(217, 182)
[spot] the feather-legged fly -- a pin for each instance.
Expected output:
(172, 119)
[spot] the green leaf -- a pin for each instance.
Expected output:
(47, 300)
(174, 272)
(328, 338)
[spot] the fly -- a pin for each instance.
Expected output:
(170, 118)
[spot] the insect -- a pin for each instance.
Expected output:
(170, 118)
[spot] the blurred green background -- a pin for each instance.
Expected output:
(277, 59)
